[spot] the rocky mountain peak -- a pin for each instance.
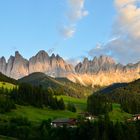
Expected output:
(53, 56)
(17, 54)
(97, 71)
(102, 63)
(2, 60)
(42, 53)
(18, 67)
(106, 59)
(2, 65)
(58, 57)
(85, 60)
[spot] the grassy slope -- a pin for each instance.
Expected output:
(79, 103)
(118, 115)
(37, 114)
(6, 85)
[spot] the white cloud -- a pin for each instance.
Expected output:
(76, 11)
(126, 46)
(129, 18)
(67, 32)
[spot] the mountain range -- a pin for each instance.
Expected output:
(101, 70)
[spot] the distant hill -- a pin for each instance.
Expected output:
(4, 78)
(118, 88)
(113, 87)
(60, 85)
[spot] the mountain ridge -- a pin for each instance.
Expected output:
(17, 66)
(101, 70)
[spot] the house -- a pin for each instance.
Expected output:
(136, 117)
(87, 115)
(69, 122)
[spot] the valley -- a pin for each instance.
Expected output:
(37, 99)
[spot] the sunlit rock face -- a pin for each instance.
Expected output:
(39, 63)
(18, 67)
(2, 65)
(101, 70)
(51, 65)
(103, 63)
(104, 71)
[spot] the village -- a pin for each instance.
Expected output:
(135, 117)
(85, 116)
(72, 122)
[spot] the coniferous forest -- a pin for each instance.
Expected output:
(99, 104)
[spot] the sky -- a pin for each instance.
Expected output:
(74, 29)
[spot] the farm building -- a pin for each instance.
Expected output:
(87, 115)
(69, 122)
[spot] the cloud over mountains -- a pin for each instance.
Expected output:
(125, 45)
(76, 11)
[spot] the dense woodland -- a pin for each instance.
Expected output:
(26, 94)
(103, 129)
(98, 104)
(127, 95)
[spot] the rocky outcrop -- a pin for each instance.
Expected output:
(2, 65)
(104, 71)
(101, 70)
(52, 65)
(18, 67)
(103, 63)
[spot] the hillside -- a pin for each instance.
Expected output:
(112, 87)
(127, 95)
(6, 85)
(4, 78)
(59, 85)
(132, 88)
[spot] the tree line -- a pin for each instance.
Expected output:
(99, 104)
(103, 129)
(26, 94)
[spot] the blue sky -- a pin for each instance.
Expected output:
(32, 25)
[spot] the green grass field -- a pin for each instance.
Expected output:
(80, 104)
(118, 115)
(6, 85)
(37, 114)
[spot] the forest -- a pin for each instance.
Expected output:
(26, 94)
(98, 104)
(103, 129)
